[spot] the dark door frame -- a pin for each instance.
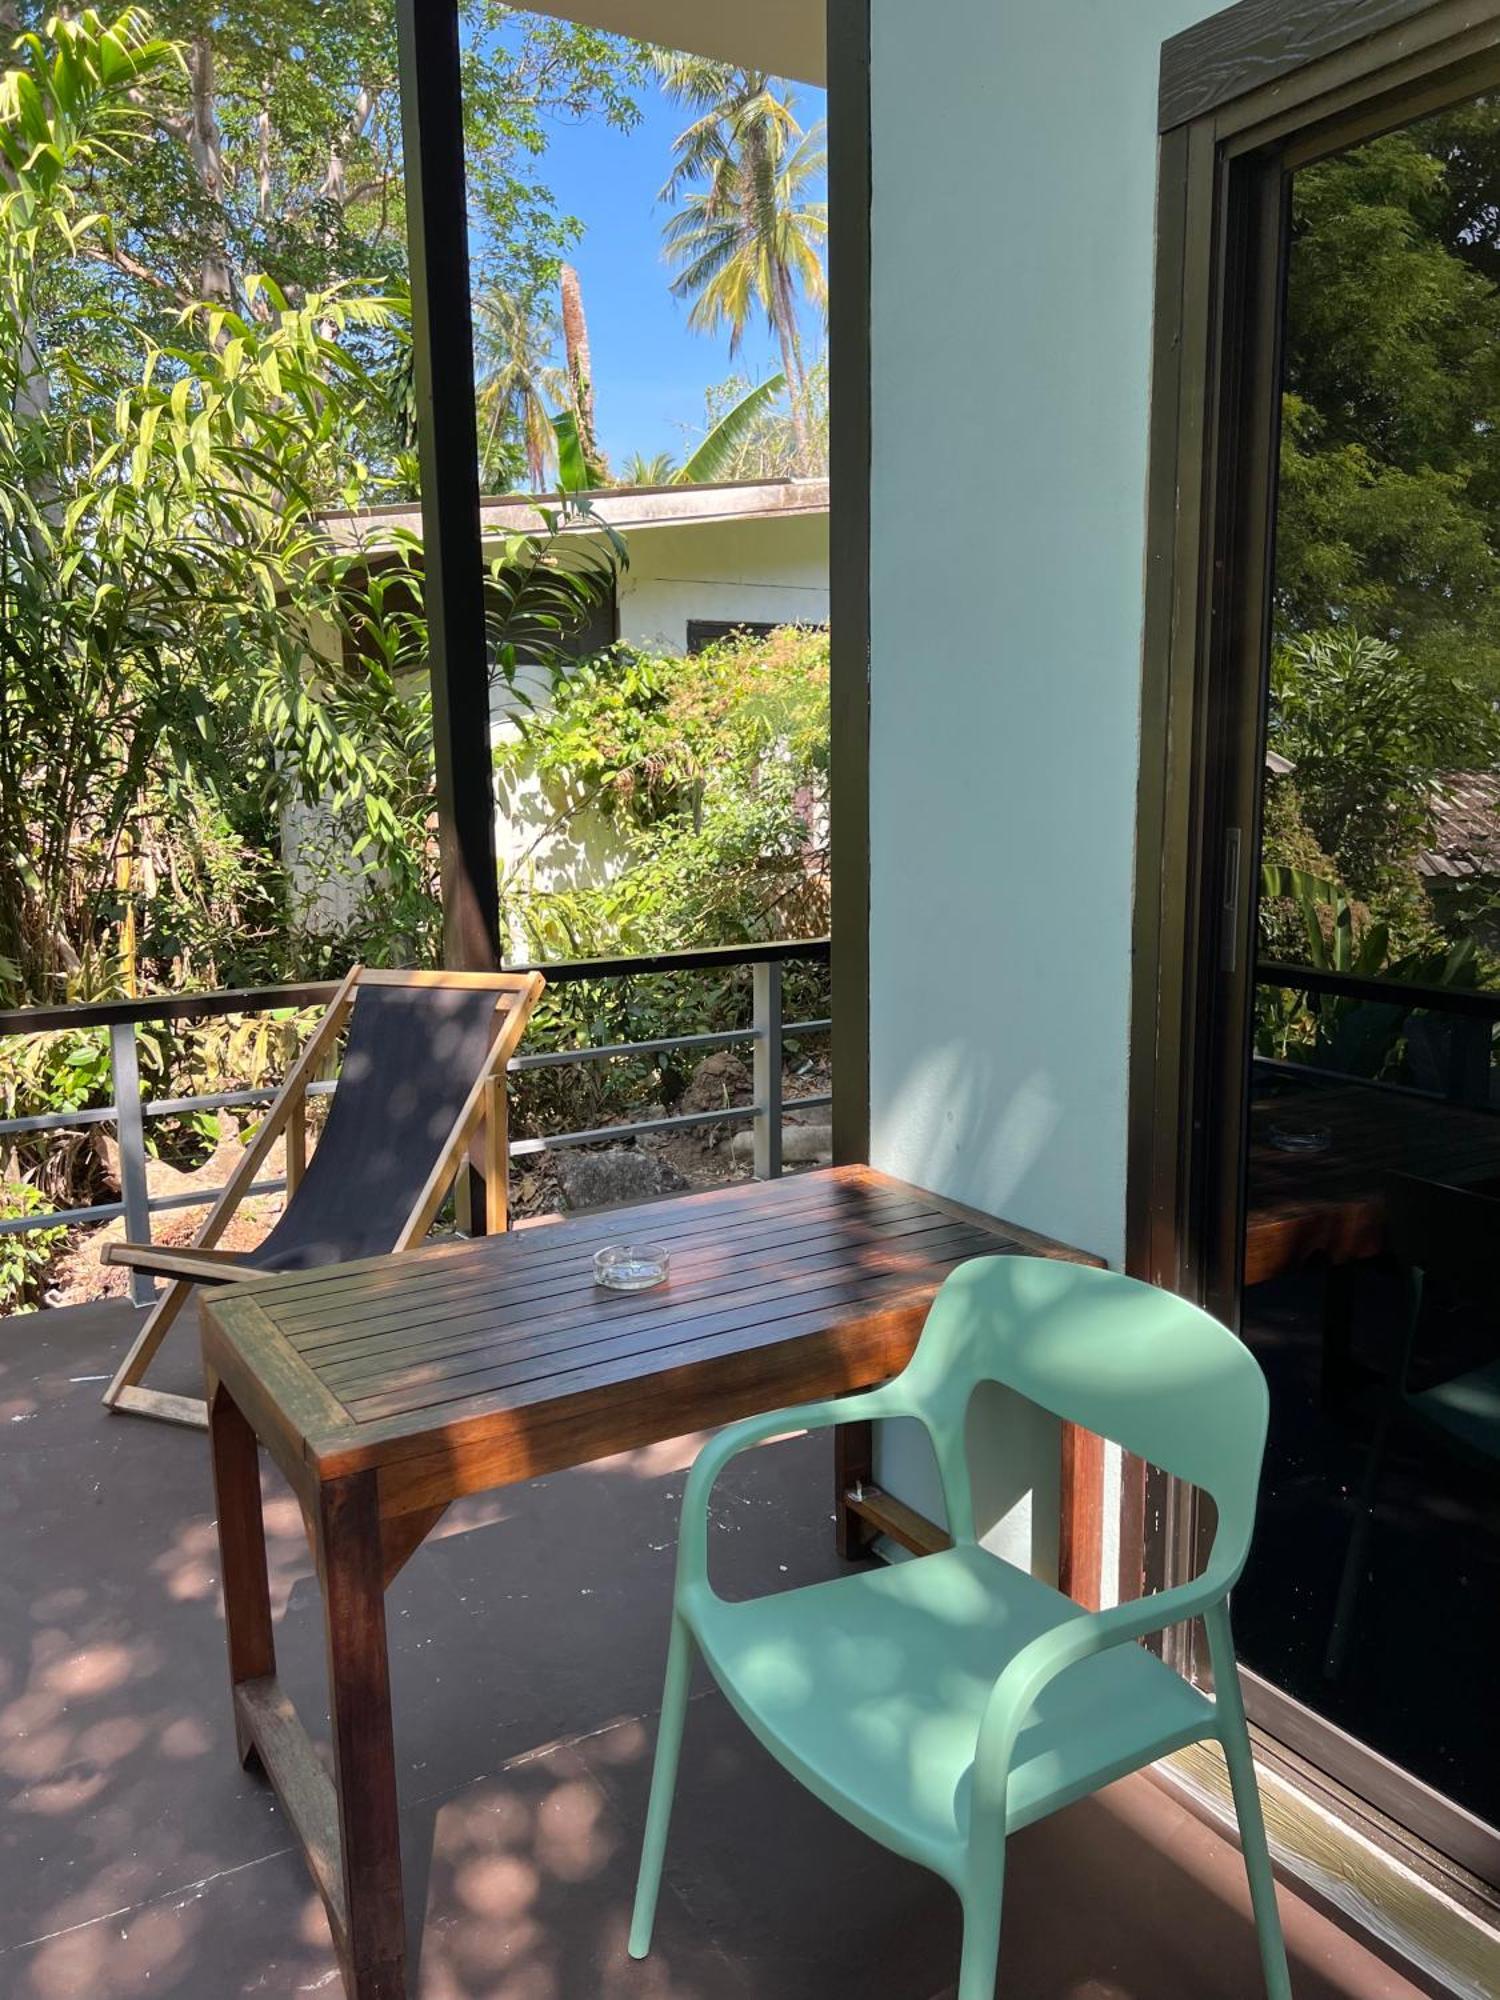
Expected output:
(1246, 97)
(849, 185)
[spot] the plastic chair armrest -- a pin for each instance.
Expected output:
(1052, 1653)
(692, 1545)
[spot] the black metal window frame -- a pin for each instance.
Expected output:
(1247, 98)
(443, 366)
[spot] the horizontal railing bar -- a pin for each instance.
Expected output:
(197, 1200)
(62, 1218)
(610, 1051)
(58, 1121)
(155, 1107)
(682, 1122)
(1314, 1075)
(265, 999)
(164, 1007)
(227, 1100)
(723, 958)
(1387, 992)
(108, 1211)
(560, 1058)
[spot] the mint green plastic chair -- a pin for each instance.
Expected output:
(943, 1704)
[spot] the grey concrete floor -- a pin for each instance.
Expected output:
(527, 1638)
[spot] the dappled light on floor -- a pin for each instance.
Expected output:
(138, 1862)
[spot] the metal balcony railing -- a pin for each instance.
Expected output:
(129, 1112)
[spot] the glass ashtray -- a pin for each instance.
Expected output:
(1300, 1138)
(631, 1267)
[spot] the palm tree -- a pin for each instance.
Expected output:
(747, 233)
(520, 383)
(658, 470)
(580, 375)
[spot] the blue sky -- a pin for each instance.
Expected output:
(650, 370)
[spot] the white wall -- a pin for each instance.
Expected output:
(772, 571)
(1014, 147)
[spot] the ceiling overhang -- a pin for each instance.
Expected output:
(786, 37)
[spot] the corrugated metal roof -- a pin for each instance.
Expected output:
(1466, 827)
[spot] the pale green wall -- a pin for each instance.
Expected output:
(1014, 146)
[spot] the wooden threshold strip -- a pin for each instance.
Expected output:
(302, 1784)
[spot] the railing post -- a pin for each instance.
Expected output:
(1469, 1054)
(767, 1023)
(130, 1127)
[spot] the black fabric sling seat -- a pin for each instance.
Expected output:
(412, 1057)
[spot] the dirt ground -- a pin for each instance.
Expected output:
(701, 1157)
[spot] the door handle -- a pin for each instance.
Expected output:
(1229, 930)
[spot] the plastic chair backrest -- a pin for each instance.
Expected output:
(1122, 1359)
(1451, 1233)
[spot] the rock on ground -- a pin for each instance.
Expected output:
(719, 1081)
(801, 1145)
(615, 1174)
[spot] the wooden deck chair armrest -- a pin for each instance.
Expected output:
(871, 1406)
(163, 1260)
(288, 1098)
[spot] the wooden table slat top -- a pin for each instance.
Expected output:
(1331, 1202)
(789, 1288)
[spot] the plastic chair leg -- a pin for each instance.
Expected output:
(1238, 1755)
(1258, 1867)
(663, 1785)
(980, 1963)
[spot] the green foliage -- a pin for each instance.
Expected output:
(276, 147)
(749, 229)
(658, 470)
(1391, 456)
(165, 576)
(24, 1256)
(722, 452)
(715, 768)
(1370, 734)
(769, 441)
(1354, 1037)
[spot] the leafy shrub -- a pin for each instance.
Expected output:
(25, 1256)
(715, 769)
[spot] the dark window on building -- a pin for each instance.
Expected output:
(705, 632)
(596, 635)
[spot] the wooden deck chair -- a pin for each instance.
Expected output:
(423, 1073)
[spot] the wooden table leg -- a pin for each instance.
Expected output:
(359, 1705)
(1338, 1333)
(242, 1550)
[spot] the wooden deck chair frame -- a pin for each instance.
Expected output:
(484, 1111)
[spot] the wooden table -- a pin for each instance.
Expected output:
(1331, 1204)
(386, 1390)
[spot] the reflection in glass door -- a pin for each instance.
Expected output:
(1372, 1248)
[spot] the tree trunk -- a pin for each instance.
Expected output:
(581, 374)
(206, 148)
(784, 318)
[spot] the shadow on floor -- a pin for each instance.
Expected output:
(527, 1642)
